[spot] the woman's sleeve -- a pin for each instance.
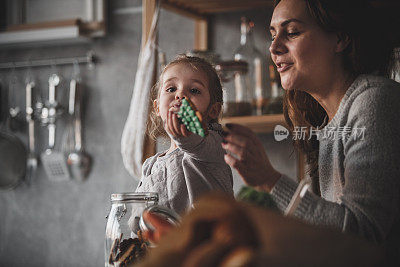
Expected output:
(370, 201)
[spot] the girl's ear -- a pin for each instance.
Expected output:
(156, 108)
(215, 110)
(343, 41)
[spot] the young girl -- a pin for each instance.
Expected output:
(193, 165)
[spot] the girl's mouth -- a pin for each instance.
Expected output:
(175, 106)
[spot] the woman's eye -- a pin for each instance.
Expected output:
(195, 91)
(171, 89)
(293, 34)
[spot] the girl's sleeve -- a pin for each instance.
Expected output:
(207, 149)
(370, 202)
(204, 165)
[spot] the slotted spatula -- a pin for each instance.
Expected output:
(54, 162)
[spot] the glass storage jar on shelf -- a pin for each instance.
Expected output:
(237, 101)
(208, 55)
(257, 69)
(124, 244)
(275, 105)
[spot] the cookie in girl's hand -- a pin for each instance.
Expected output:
(191, 118)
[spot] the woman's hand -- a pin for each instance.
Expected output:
(160, 225)
(251, 161)
(173, 126)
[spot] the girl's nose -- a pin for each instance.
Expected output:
(179, 95)
(277, 47)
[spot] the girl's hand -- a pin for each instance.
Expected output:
(251, 161)
(160, 224)
(173, 126)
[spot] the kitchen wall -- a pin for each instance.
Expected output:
(50, 223)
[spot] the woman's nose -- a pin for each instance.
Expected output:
(277, 47)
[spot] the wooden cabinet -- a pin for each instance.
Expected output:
(39, 22)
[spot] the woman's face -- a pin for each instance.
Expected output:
(301, 50)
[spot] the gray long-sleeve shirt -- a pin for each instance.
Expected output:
(359, 174)
(197, 166)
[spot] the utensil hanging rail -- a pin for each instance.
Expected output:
(88, 59)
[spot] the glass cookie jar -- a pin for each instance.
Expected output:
(237, 100)
(123, 242)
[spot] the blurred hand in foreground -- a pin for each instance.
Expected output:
(160, 224)
(222, 232)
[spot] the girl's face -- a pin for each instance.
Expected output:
(178, 81)
(303, 53)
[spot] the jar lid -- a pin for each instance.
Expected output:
(207, 55)
(232, 66)
(168, 214)
(130, 196)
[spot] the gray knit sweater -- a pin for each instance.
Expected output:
(195, 167)
(359, 168)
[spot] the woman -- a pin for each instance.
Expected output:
(332, 56)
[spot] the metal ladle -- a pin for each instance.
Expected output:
(78, 160)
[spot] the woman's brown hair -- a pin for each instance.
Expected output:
(155, 128)
(370, 51)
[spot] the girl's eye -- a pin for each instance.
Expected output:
(171, 89)
(195, 91)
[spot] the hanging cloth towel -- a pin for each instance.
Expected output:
(134, 132)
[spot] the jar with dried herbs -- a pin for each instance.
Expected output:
(124, 244)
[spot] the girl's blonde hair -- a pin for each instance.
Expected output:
(155, 127)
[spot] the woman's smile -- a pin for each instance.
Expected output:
(281, 67)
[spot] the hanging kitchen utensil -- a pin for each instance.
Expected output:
(12, 161)
(78, 160)
(2, 101)
(12, 157)
(54, 162)
(68, 143)
(14, 122)
(32, 160)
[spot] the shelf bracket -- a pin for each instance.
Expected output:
(201, 34)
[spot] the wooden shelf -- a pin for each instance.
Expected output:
(205, 7)
(258, 124)
(56, 32)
